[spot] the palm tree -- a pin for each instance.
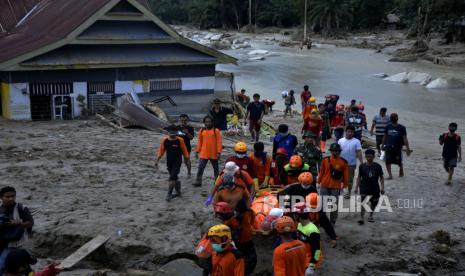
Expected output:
(329, 14)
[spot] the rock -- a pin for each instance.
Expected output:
(216, 37)
(401, 77)
(406, 58)
(181, 267)
(442, 237)
(380, 75)
(258, 52)
(208, 36)
(413, 77)
(446, 83)
(323, 46)
(441, 248)
(257, 58)
(135, 272)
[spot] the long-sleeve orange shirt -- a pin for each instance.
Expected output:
(262, 168)
(243, 224)
(289, 259)
(229, 263)
(174, 148)
(210, 143)
(339, 165)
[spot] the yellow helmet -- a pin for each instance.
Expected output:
(220, 231)
(312, 99)
(240, 147)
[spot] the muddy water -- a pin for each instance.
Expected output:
(346, 72)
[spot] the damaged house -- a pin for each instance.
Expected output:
(58, 56)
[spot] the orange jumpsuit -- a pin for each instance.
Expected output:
(209, 144)
(228, 263)
(262, 168)
(232, 196)
(289, 259)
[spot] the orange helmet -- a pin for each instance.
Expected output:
(296, 161)
(312, 199)
(306, 178)
(285, 225)
(340, 107)
(240, 147)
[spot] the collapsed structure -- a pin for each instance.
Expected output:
(65, 56)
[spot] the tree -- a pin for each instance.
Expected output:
(330, 14)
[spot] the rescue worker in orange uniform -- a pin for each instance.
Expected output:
(309, 234)
(320, 219)
(291, 172)
(209, 147)
(229, 187)
(334, 176)
(309, 107)
(244, 162)
(262, 164)
(226, 259)
(240, 221)
(289, 257)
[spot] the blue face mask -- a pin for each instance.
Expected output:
(217, 247)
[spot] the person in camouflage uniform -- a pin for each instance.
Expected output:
(310, 153)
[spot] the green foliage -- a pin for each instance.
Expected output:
(328, 15)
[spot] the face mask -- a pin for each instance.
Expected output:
(218, 248)
(241, 155)
(306, 187)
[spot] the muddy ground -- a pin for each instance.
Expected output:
(82, 178)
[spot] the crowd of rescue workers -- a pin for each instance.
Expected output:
(255, 192)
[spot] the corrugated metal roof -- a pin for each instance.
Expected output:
(12, 11)
(82, 55)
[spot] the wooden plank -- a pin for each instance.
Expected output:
(83, 251)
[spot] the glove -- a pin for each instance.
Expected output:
(209, 201)
(50, 270)
(251, 200)
(309, 271)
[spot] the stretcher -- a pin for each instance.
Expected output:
(262, 205)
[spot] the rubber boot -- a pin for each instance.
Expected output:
(169, 196)
(177, 187)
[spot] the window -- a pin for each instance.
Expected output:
(165, 85)
(48, 89)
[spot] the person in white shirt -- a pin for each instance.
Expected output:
(351, 151)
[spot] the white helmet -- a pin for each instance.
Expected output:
(230, 168)
(276, 212)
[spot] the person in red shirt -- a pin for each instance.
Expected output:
(226, 259)
(305, 96)
(277, 167)
(175, 149)
(338, 121)
(289, 259)
(244, 162)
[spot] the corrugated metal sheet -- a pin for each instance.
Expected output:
(12, 11)
(112, 54)
(51, 21)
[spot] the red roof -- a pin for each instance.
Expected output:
(49, 22)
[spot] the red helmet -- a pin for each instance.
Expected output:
(340, 107)
(301, 208)
(281, 151)
(223, 208)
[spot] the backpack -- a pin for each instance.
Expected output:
(204, 248)
(335, 174)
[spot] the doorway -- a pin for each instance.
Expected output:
(51, 101)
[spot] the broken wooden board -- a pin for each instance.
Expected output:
(138, 115)
(156, 110)
(83, 251)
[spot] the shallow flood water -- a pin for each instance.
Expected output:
(347, 72)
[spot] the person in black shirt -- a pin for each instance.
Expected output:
(219, 114)
(187, 134)
(370, 176)
(15, 219)
(451, 151)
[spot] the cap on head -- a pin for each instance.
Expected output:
(276, 212)
(335, 147)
